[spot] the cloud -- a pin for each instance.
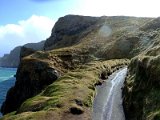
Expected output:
(140, 8)
(34, 29)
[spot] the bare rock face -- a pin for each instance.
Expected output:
(12, 59)
(68, 29)
(32, 76)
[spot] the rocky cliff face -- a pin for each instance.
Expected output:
(26, 52)
(122, 35)
(31, 78)
(13, 59)
(75, 51)
(69, 30)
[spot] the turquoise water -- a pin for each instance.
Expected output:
(6, 73)
(7, 80)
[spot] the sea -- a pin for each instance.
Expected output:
(7, 80)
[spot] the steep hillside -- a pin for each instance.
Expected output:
(13, 58)
(81, 51)
(106, 37)
(69, 30)
(141, 91)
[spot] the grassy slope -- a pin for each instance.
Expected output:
(142, 88)
(108, 37)
(141, 92)
(73, 90)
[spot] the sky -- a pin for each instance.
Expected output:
(30, 21)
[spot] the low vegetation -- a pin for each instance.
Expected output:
(72, 94)
(141, 92)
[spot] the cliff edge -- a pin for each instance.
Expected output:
(59, 82)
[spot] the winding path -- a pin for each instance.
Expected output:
(108, 101)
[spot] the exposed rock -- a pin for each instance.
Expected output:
(25, 52)
(35, 46)
(31, 78)
(79, 102)
(121, 34)
(12, 59)
(100, 82)
(104, 75)
(67, 98)
(76, 110)
(68, 31)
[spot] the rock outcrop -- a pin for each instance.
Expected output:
(69, 30)
(26, 52)
(121, 34)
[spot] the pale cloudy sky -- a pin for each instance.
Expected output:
(31, 30)
(25, 21)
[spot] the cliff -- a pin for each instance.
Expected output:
(70, 97)
(103, 37)
(59, 82)
(141, 91)
(13, 58)
(69, 30)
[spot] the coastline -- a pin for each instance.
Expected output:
(7, 80)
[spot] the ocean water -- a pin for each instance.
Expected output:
(7, 80)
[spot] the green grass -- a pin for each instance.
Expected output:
(59, 97)
(142, 88)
